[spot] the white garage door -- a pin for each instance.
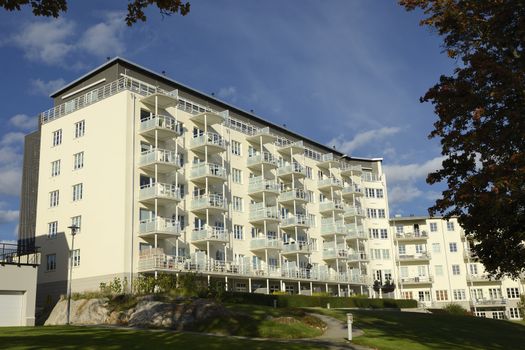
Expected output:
(10, 308)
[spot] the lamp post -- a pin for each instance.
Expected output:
(74, 230)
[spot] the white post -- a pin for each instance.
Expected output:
(349, 320)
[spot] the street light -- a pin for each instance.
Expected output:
(74, 229)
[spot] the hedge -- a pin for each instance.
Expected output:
(317, 301)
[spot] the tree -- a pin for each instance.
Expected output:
(48, 8)
(481, 123)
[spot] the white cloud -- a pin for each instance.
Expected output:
(404, 193)
(10, 180)
(24, 122)
(362, 139)
(412, 172)
(46, 88)
(105, 38)
(8, 241)
(46, 41)
(12, 138)
(7, 216)
(229, 93)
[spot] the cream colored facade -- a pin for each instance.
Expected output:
(176, 181)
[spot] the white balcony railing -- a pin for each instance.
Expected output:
(414, 257)
(208, 139)
(159, 225)
(159, 156)
(262, 158)
(209, 201)
(263, 213)
(351, 210)
(295, 194)
(292, 168)
(355, 232)
(296, 220)
(162, 190)
(160, 122)
(330, 206)
(296, 247)
(259, 184)
(210, 234)
(335, 254)
(329, 182)
(351, 189)
(208, 169)
(332, 228)
(266, 243)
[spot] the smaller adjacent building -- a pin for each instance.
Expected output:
(18, 274)
(436, 266)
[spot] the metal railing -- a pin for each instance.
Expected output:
(330, 182)
(263, 213)
(208, 139)
(213, 200)
(330, 205)
(159, 156)
(214, 233)
(207, 169)
(263, 243)
(258, 184)
(292, 168)
(295, 194)
(412, 235)
(160, 225)
(298, 219)
(161, 122)
(12, 254)
(262, 157)
(169, 191)
(296, 247)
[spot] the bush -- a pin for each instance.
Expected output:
(455, 309)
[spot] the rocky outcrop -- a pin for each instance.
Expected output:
(83, 311)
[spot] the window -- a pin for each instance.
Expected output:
(404, 271)
(436, 248)
(371, 213)
(310, 196)
(450, 226)
(313, 244)
(424, 295)
(78, 160)
(236, 148)
(473, 269)
(406, 295)
(55, 168)
(456, 270)
(453, 247)
(53, 198)
(52, 229)
(514, 312)
(182, 221)
(420, 249)
(379, 193)
(498, 315)
(76, 257)
(237, 176)
(80, 128)
(57, 137)
(251, 151)
(376, 254)
(373, 233)
(439, 270)
(481, 314)
(388, 275)
(422, 271)
(319, 174)
(311, 218)
(476, 294)
(399, 229)
(381, 213)
(254, 232)
(441, 295)
(386, 254)
(495, 293)
(513, 293)
(51, 262)
(402, 249)
(384, 233)
(76, 221)
(459, 294)
(77, 192)
(370, 193)
(308, 172)
(238, 232)
(433, 227)
(237, 203)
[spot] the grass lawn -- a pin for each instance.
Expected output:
(63, 337)
(392, 330)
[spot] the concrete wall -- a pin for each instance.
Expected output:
(14, 278)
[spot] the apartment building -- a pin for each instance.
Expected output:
(160, 177)
(437, 267)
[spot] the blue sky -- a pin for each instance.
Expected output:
(345, 73)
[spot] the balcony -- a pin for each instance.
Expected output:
(259, 214)
(349, 170)
(258, 185)
(213, 202)
(412, 236)
(481, 278)
(490, 302)
(209, 117)
(164, 126)
(370, 177)
(417, 280)
(358, 257)
(333, 254)
(25, 253)
(165, 160)
(290, 196)
(292, 148)
(296, 248)
(211, 142)
(258, 160)
(331, 207)
(299, 221)
(330, 183)
(214, 173)
(261, 136)
(162, 227)
(163, 99)
(265, 243)
(330, 229)
(469, 255)
(351, 190)
(210, 234)
(163, 193)
(353, 212)
(328, 161)
(416, 258)
(294, 169)
(355, 232)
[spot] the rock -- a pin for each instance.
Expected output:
(83, 311)
(154, 314)
(285, 320)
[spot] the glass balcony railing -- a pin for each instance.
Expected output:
(209, 201)
(263, 213)
(161, 156)
(295, 194)
(161, 122)
(159, 225)
(259, 184)
(330, 182)
(214, 233)
(208, 139)
(292, 168)
(330, 206)
(159, 190)
(265, 243)
(262, 158)
(207, 169)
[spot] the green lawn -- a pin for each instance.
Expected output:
(393, 330)
(63, 337)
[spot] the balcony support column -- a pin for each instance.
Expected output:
(338, 290)
(226, 283)
(326, 286)
(267, 286)
(249, 284)
(311, 289)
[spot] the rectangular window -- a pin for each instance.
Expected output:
(399, 229)
(453, 247)
(311, 218)
(404, 271)
(55, 168)
(237, 176)
(433, 227)
(495, 293)
(57, 137)
(459, 294)
(237, 203)
(455, 270)
(379, 193)
(376, 254)
(442, 295)
(371, 213)
(308, 172)
(386, 254)
(370, 193)
(80, 128)
(384, 233)
(436, 248)
(76, 257)
(78, 160)
(406, 295)
(236, 148)
(513, 293)
(77, 222)
(77, 192)
(52, 229)
(450, 226)
(313, 244)
(311, 196)
(255, 233)
(238, 232)
(439, 270)
(473, 269)
(53, 198)
(381, 213)
(420, 249)
(373, 233)
(51, 262)
(514, 312)
(402, 249)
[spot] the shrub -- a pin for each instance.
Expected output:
(455, 309)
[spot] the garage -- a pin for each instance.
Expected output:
(11, 304)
